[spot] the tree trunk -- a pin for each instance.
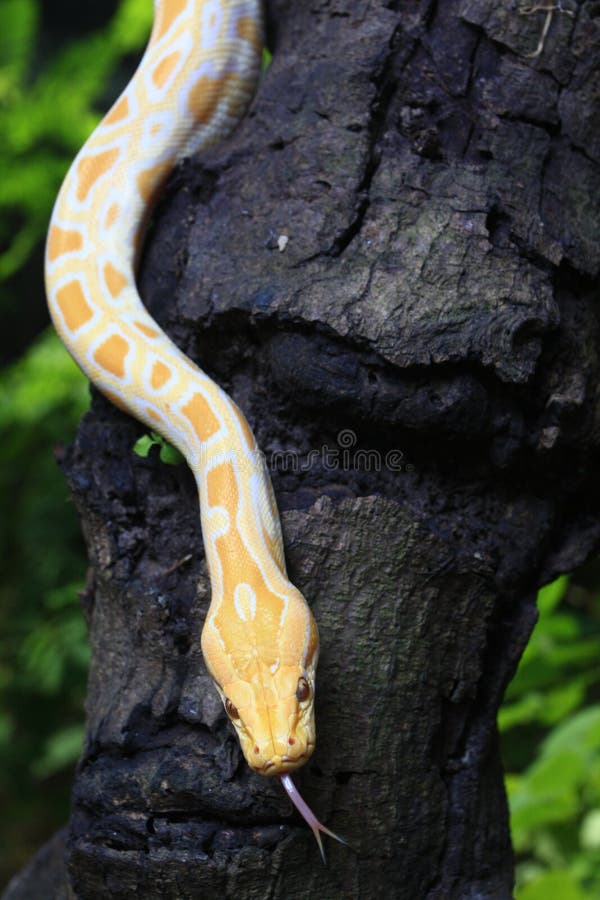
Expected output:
(419, 364)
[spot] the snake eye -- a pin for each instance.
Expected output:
(303, 689)
(231, 710)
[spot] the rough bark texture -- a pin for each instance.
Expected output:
(430, 333)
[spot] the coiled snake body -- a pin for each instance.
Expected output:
(260, 641)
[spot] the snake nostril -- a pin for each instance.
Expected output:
(257, 750)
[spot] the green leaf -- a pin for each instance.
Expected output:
(548, 792)
(267, 58)
(555, 788)
(581, 732)
(130, 27)
(143, 445)
(553, 885)
(39, 382)
(170, 455)
(65, 596)
(590, 830)
(528, 709)
(551, 594)
(545, 708)
(61, 750)
(18, 23)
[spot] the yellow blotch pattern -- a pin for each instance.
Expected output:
(145, 329)
(112, 215)
(119, 112)
(73, 305)
(236, 107)
(91, 168)
(160, 375)
(222, 490)
(203, 420)
(221, 483)
(111, 354)
(164, 68)
(248, 30)
(115, 280)
(204, 97)
(63, 241)
(169, 10)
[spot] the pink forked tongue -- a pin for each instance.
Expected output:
(308, 815)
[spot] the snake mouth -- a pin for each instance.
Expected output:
(280, 765)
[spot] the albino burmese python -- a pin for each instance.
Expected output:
(260, 641)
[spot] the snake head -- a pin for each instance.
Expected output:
(265, 675)
(273, 717)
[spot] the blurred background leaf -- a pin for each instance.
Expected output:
(43, 646)
(51, 95)
(550, 722)
(61, 64)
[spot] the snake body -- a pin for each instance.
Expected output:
(260, 640)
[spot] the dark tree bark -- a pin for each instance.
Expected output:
(430, 330)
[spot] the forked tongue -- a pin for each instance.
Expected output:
(308, 815)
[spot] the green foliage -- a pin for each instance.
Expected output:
(168, 454)
(44, 120)
(560, 645)
(559, 883)
(48, 107)
(60, 751)
(267, 58)
(555, 799)
(43, 647)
